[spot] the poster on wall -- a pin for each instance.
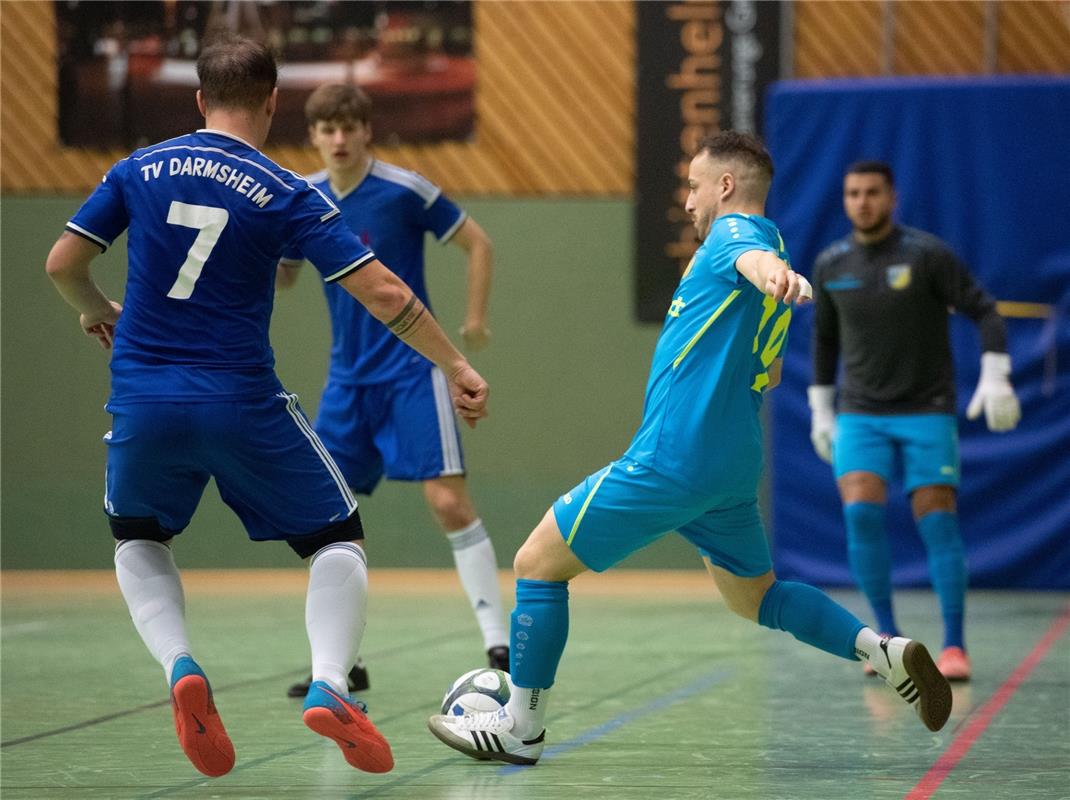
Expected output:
(703, 66)
(127, 70)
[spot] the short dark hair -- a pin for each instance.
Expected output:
(337, 102)
(236, 72)
(871, 167)
(736, 145)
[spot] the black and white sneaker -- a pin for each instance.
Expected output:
(485, 736)
(908, 668)
(357, 679)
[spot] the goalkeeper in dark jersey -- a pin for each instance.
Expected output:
(883, 296)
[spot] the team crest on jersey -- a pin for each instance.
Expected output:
(676, 306)
(898, 276)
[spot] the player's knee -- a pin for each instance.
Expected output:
(525, 562)
(927, 499)
(743, 595)
(862, 487)
(452, 509)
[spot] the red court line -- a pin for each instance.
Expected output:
(962, 743)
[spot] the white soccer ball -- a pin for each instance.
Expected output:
(483, 689)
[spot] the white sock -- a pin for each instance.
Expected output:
(152, 589)
(867, 645)
(528, 708)
(335, 611)
(473, 553)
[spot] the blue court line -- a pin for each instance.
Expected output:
(606, 728)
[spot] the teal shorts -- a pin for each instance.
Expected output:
(924, 447)
(623, 508)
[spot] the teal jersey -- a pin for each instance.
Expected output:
(700, 416)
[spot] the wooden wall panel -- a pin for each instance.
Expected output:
(555, 100)
(837, 39)
(939, 38)
(554, 106)
(844, 38)
(1034, 37)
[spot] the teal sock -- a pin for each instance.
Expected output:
(811, 616)
(947, 567)
(538, 632)
(870, 557)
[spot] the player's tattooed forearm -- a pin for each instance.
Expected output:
(405, 323)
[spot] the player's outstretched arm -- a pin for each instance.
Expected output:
(774, 277)
(67, 266)
(471, 238)
(390, 300)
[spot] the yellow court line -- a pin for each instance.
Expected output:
(1014, 308)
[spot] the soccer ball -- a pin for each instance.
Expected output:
(483, 689)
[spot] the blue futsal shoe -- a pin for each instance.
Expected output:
(200, 730)
(344, 721)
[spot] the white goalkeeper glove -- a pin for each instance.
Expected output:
(822, 419)
(994, 394)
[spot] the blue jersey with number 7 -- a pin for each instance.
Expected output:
(208, 216)
(700, 416)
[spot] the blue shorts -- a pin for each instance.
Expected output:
(924, 446)
(404, 429)
(626, 506)
(268, 463)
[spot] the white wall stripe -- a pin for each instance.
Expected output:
(449, 437)
(321, 451)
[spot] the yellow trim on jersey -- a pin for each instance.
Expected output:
(587, 502)
(694, 339)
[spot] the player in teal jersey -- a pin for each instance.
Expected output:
(692, 467)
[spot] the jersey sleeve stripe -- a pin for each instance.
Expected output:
(694, 339)
(334, 212)
(79, 231)
(445, 237)
(360, 262)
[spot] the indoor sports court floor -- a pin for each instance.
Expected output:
(662, 694)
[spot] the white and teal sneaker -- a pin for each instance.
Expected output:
(487, 736)
(908, 668)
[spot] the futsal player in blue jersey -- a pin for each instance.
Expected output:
(194, 394)
(385, 409)
(692, 467)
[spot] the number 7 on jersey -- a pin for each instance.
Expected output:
(210, 222)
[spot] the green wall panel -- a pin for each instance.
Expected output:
(567, 367)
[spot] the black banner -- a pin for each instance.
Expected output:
(703, 66)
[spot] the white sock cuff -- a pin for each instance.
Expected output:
(466, 537)
(127, 544)
(349, 549)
